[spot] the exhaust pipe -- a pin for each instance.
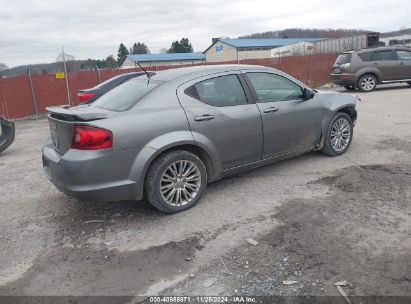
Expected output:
(7, 133)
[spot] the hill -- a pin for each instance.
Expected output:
(306, 33)
(406, 31)
(43, 68)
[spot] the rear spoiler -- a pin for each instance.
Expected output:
(7, 133)
(74, 114)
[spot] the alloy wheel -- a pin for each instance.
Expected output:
(368, 83)
(180, 183)
(340, 134)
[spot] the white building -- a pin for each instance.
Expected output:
(236, 50)
(404, 40)
(153, 60)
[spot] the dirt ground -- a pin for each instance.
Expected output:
(314, 220)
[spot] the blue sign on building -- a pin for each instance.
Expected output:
(219, 49)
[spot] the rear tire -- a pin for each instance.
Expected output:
(339, 135)
(176, 181)
(367, 83)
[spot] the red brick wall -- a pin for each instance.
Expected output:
(16, 99)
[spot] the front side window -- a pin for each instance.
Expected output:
(404, 55)
(220, 91)
(272, 87)
(383, 56)
(126, 95)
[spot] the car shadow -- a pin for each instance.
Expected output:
(381, 87)
(79, 221)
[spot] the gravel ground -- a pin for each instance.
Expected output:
(317, 220)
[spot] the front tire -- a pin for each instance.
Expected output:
(339, 135)
(176, 181)
(367, 83)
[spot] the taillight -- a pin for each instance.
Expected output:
(85, 96)
(91, 138)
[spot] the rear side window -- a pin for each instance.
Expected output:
(367, 56)
(343, 58)
(383, 56)
(220, 91)
(126, 95)
(404, 55)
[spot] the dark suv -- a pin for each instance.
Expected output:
(364, 69)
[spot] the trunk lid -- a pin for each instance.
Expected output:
(62, 123)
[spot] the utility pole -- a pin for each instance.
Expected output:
(66, 76)
(33, 96)
(98, 74)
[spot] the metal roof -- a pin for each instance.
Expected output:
(189, 73)
(166, 57)
(266, 42)
(274, 42)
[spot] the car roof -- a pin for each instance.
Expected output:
(381, 48)
(202, 70)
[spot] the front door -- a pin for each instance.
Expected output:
(404, 64)
(387, 63)
(290, 123)
(221, 116)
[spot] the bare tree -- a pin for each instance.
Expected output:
(70, 64)
(60, 57)
(3, 67)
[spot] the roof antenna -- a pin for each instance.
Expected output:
(148, 75)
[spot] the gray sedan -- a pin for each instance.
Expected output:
(165, 136)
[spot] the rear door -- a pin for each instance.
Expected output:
(290, 123)
(220, 113)
(404, 64)
(386, 62)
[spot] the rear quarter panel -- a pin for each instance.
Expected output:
(155, 124)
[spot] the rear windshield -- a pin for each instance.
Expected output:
(126, 95)
(343, 58)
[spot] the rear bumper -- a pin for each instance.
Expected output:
(7, 131)
(99, 176)
(344, 79)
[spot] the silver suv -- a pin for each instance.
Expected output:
(366, 68)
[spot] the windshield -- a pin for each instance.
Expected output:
(343, 58)
(126, 95)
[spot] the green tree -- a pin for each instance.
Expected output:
(139, 48)
(111, 62)
(122, 53)
(182, 46)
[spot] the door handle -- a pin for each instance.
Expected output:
(401, 63)
(271, 110)
(204, 117)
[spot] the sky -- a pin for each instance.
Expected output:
(33, 31)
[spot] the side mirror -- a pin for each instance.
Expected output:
(308, 94)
